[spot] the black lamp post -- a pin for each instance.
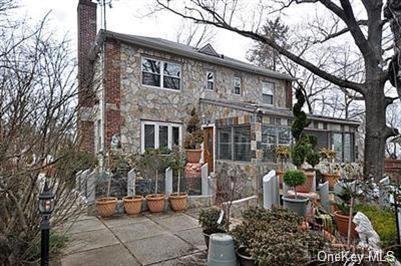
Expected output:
(46, 206)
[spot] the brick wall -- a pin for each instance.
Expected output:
(113, 119)
(392, 167)
(86, 12)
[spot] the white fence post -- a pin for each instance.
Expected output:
(169, 181)
(131, 179)
(205, 180)
(324, 195)
(271, 195)
(90, 192)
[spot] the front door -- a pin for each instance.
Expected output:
(208, 147)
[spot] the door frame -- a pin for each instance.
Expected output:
(212, 125)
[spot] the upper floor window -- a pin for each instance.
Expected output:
(268, 92)
(169, 78)
(210, 80)
(237, 85)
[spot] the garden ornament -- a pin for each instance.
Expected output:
(367, 235)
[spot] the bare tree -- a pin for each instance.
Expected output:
(364, 32)
(37, 136)
(194, 34)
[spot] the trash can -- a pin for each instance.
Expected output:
(221, 250)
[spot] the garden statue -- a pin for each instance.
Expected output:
(367, 235)
(115, 142)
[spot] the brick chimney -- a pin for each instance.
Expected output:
(86, 12)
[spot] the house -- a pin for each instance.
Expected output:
(141, 89)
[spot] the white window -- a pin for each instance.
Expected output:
(210, 80)
(158, 134)
(237, 85)
(268, 93)
(169, 78)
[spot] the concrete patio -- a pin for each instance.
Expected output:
(150, 239)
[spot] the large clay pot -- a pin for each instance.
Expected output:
(155, 202)
(244, 258)
(342, 225)
(297, 205)
(332, 178)
(193, 155)
(132, 204)
(106, 206)
(178, 202)
(307, 187)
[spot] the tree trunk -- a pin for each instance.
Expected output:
(376, 130)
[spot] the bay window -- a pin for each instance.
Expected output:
(158, 134)
(272, 136)
(234, 143)
(169, 78)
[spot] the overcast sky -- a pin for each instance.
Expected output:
(126, 17)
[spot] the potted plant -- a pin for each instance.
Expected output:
(150, 164)
(193, 138)
(106, 206)
(178, 200)
(133, 204)
(343, 210)
(282, 155)
(212, 221)
(332, 177)
(294, 178)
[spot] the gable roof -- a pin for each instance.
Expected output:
(209, 50)
(190, 52)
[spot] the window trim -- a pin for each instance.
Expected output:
(162, 61)
(240, 85)
(156, 140)
(272, 95)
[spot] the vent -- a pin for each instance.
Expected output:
(209, 50)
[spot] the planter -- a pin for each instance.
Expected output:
(332, 178)
(244, 259)
(342, 225)
(307, 187)
(297, 205)
(178, 202)
(106, 206)
(155, 202)
(193, 155)
(133, 204)
(207, 234)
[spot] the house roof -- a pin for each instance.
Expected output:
(280, 112)
(206, 54)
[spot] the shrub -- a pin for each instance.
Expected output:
(208, 220)
(294, 178)
(194, 135)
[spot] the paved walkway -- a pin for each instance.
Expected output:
(150, 239)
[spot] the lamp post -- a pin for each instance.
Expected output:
(46, 206)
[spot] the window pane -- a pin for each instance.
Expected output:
(176, 136)
(150, 79)
(242, 144)
(268, 88)
(163, 136)
(149, 136)
(347, 147)
(224, 145)
(338, 145)
(151, 66)
(268, 152)
(171, 83)
(237, 85)
(284, 136)
(172, 70)
(269, 135)
(267, 99)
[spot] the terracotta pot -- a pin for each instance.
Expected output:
(132, 204)
(106, 206)
(332, 178)
(307, 187)
(178, 202)
(342, 225)
(244, 258)
(193, 155)
(155, 202)
(207, 234)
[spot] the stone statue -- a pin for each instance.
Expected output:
(115, 142)
(367, 235)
